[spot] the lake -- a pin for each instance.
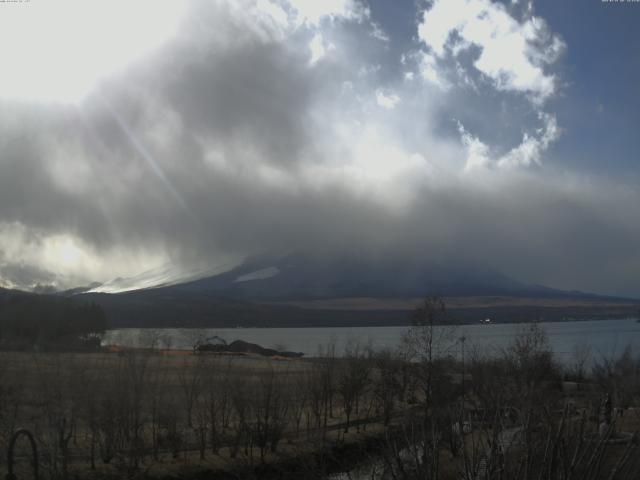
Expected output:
(605, 338)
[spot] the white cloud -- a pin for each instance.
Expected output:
(317, 49)
(278, 19)
(430, 71)
(387, 100)
(314, 11)
(477, 152)
(375, 166)
(513, 54)
(276, 12)
(377, 32)
(531, 148)
(527, 153)
(58, 51)
(62, 259)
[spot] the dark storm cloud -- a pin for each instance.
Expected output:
(21, 274)
(229, 143)
(256, 92)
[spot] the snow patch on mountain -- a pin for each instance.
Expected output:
(261, 274)
(161, 277)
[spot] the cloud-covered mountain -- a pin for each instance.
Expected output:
(308, 277)
(298, 290)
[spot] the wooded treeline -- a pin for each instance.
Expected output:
(49, 322)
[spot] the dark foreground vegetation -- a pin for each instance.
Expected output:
(48, 322)
(414, 413)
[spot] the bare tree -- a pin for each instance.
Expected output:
(387, 384)
(532, 369)
(580, 358)
(299, 392)
(240, 400)
(429, 338)
(60, 410)
(270, 409)
(12, 389)
(352, 380)
(190, 379)
(217, 388)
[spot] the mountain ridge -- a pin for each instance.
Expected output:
(302, 277)
(297, 290)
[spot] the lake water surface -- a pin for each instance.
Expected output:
(605, 338)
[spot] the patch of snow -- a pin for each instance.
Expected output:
(261, 274)
(160, 277)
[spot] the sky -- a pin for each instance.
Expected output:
(179, 137)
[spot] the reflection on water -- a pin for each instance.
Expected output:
(604, 337)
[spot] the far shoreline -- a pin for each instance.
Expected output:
(372, 325)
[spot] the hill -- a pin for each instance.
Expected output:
(301, 290)
(306, 277)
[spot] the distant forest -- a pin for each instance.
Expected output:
(47, 322)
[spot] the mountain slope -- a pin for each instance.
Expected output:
(302, 277)
(299, 290)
